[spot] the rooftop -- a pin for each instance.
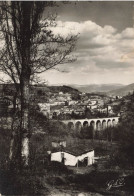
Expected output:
(76, 151)
(73, 153)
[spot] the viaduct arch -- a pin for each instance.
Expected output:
(97, 123)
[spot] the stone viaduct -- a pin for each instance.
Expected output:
(97, 123)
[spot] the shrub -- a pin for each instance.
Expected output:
(57, 168)
(24, 183)
(57, 181)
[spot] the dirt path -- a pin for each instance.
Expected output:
(72, 193)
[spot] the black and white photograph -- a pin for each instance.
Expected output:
(66, 98)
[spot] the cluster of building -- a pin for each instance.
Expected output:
(63, 106)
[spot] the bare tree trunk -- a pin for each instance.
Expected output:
(13, 126)
(24, 85)
(11, 148)
(24, 128)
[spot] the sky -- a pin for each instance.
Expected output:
(105, 47)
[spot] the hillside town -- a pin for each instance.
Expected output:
(66, 98)
(64, 106)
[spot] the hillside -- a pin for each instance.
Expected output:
(53, 89)
(97, 87)
(39, 89)
(122, 91)
(64, 89)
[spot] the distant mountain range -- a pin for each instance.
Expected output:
(97, 87)
(109, 89)
(122, 91)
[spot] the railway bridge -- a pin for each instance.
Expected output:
(96, 123)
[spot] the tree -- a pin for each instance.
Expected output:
(87, 132)
(88, 113)
(125, 134)
(29, 48)
(127, 130)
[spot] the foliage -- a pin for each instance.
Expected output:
(86, 132)
(30, 180)
(5, 136)
(12, 181)
(76, 96)
(24, 183)
(88, 113)
(64, 89)
(96, 177)
(57, 168)
(57, 129)
(124, 133)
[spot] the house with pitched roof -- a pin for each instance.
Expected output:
(69, 158)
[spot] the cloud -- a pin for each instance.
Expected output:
(128, 33)
(100, 51)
